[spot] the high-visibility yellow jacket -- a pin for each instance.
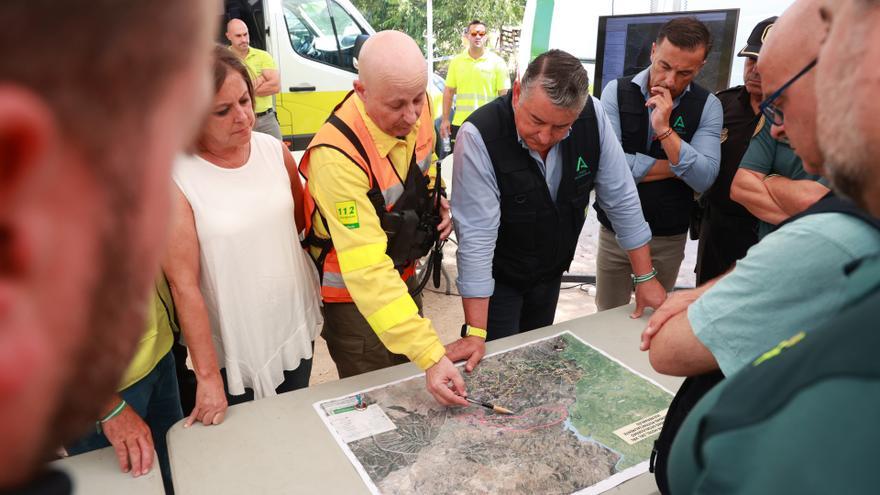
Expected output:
(357, 269)
(477, 81)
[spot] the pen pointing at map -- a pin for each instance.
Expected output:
(487, 405)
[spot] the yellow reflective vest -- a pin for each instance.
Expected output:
(476, 82)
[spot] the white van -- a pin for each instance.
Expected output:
(312, 42)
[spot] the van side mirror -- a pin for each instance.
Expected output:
(356, 51)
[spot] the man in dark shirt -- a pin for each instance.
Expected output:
(727, 229)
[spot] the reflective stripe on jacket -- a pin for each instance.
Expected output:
(380, 172)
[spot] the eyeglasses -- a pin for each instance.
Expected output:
(770, 111)
(478, 33)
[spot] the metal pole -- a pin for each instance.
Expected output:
(335, 33)
(429, 45)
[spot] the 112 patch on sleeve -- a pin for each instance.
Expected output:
(347, 214)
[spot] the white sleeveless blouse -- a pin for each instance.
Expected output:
(260, 287)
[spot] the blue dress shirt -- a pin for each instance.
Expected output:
(476, 204)
(698, 161)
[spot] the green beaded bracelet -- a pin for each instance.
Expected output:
(640, 279)
(112, 414)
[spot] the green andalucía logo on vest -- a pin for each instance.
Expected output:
(582, 169)
(679, 124)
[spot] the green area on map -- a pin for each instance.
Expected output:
(568, 400)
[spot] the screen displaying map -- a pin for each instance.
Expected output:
(582, 423)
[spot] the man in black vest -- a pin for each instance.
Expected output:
(524, 168)
(670, 130)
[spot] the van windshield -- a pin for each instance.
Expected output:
(311, 31)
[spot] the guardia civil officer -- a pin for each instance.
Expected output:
(803, 418)
(523, 170)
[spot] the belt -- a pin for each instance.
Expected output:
(267, 112)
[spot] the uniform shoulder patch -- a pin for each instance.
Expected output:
(347, 214)
(782, 346)
(729, 95)
(732, 89)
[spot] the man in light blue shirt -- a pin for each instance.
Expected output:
(670, 130)
(523, 169)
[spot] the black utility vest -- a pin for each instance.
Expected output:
(537, 237)
(666, 203)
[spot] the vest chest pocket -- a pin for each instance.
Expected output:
(518, 188)
(631, 120)
(517, 230)
(518, 216)
(517, 199)
(582, 188)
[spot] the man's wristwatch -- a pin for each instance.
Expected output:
(469, 331)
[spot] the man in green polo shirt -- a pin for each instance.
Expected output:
(771, 181)
(802, 416)
(476, 76)
(264, 73)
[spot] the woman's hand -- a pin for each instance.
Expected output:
(211, 403)
(182, 269)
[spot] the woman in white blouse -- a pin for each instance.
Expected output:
(247, 295)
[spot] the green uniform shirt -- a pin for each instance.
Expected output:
(767, 156)
(476, 82)
(775, 278)
(803, 418)
(257, 60)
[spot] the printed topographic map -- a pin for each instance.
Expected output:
(582, 423)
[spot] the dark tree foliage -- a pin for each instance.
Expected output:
(450, 19)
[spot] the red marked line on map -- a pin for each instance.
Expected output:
(531, 419)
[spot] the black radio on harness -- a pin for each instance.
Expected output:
(410, 225)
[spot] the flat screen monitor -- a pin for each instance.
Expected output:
(623, 47)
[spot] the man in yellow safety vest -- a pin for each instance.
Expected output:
(365, 197)
(476, 77)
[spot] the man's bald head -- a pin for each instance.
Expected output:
(792, 44)
(392, 80)
(235, 25)
(238, 36)
(796, 36)
(392, 55)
